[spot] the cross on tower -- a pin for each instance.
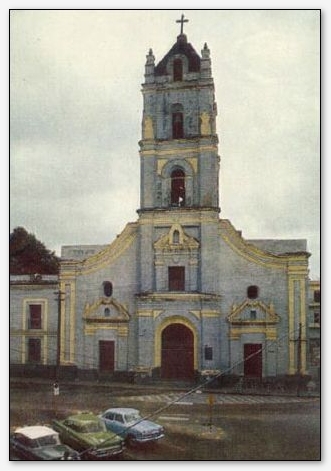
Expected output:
(182, 21)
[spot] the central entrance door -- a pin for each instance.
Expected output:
(253, 360)
(177, 354)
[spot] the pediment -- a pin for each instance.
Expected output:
(253, 313)
(176, 239)
(106, 310)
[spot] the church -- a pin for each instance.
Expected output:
(180, 294)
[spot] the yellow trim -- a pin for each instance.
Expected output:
(175, 152)
(258, 256)
(197, 314)
(297, 270)
(148, 313)
(291, 336)
(158, 338)
(210, 313)
(160, 164)
(206, 314)
(62, 323)
(269, 332)
(92, 328)
(123, 331)
(193, 161)
(249, 252)
(303, 326)
(148, 131)
(120, 309)
(72, 334)
(205, 127)
(186, 242)
(44, 341)
(145, 313)
(234, 316)
(293, 332)
(173, 295)
(23, 355)
(104, 258)
(186, 217)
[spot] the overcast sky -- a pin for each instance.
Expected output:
(76, 109)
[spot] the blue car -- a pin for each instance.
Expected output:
(128, 423)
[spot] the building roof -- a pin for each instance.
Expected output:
(280, 246)
(80, 252)
(180, 47)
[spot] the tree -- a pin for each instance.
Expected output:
(27, 255)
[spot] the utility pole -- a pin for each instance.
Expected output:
(299, 363)
(60, 297)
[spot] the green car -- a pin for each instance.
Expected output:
(87, 434)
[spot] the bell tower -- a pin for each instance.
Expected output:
(178, 149)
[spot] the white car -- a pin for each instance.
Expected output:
(40, 443)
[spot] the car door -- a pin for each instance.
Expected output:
(110, 422)
(115, 423)
(70, 435)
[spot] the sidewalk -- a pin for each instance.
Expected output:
(119, 388)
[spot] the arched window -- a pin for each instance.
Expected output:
(107, 288)
(252, 292)
(107, 312)
(178, 187)
(178, 70)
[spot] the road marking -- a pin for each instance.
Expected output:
(170, 417)
(183, 403)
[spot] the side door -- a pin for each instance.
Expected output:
(107, 356)
(253, 360)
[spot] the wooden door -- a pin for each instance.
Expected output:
(253, 360)
(177, 356)
(106, 355)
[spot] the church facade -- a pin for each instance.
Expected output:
(180, 293)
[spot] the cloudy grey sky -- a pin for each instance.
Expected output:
(76, 109)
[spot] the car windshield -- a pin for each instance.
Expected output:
(93, 427)
(48, 440)
(133, 417)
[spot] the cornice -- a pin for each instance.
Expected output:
(90, 309)
(270, 316)
(104, 258)
(289, 262)
(177, 296)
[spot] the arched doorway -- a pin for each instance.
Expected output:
(177, 352)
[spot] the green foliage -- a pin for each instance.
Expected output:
(27, 255)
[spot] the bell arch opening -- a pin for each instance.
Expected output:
(178, 187)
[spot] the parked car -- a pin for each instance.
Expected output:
(40, 443)
(86, 433)
(128, 423)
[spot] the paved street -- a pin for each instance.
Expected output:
(230, 427)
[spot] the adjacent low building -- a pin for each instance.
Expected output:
(33, 323)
